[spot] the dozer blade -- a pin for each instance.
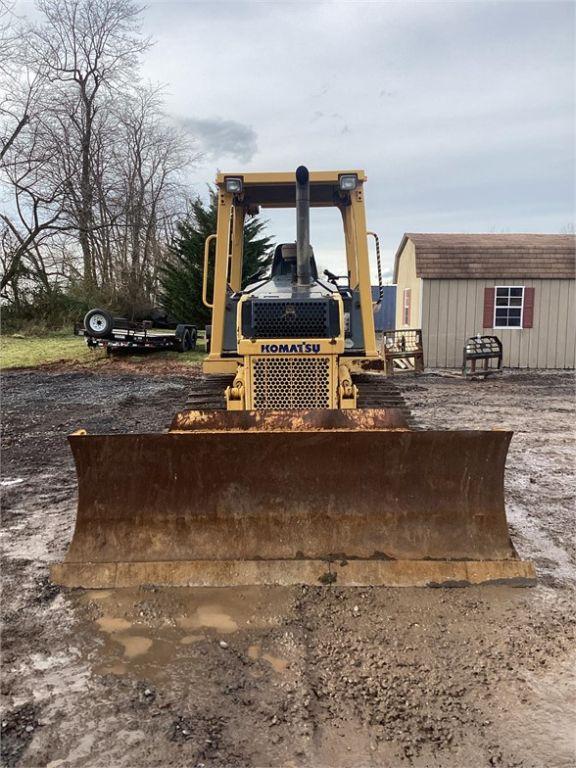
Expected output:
(351, 497)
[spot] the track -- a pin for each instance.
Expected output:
(376, 391)
(379, 391)
(207, 393)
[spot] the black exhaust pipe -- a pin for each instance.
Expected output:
(303, 250)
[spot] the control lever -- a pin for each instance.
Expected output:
(333, 278)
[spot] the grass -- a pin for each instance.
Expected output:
(19, 351)
(31, 351)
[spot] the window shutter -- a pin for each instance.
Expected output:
(488, 321)
(528, 314)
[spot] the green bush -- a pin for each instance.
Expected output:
(41, 312)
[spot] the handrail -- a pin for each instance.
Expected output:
(380, 286)
(205, 272)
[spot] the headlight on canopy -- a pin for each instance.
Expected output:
(348, 182)
(234, 185)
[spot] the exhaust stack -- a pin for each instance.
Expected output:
(303, 250)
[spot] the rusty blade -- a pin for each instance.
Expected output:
(305, 420)
(239, 496)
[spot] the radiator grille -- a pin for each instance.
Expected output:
(290, 319)
(291, 382)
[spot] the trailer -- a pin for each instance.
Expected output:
(101, 329)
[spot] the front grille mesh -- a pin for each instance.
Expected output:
(291, 382)
(289, 319)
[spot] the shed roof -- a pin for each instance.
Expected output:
(491, 256)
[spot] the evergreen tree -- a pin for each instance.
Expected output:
(181, 276)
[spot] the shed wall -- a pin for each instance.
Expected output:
(407, 278)
(452, 311)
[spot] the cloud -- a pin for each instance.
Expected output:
(462, 114)
(219, 138)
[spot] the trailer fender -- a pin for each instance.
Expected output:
(179, 332)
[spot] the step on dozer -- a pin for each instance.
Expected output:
(294, 479)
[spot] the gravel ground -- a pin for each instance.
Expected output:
(296, 676)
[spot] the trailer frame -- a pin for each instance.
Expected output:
(141, 336)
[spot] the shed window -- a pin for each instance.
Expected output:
(406, 306)
(508, 306)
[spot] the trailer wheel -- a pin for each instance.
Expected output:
(98, 323)
(185, 342)
(193, 340)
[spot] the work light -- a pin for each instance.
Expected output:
(234, 185)
(348, 182)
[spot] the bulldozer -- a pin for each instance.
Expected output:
(298, 461)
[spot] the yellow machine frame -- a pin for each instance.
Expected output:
(272, 190)
(268, 491)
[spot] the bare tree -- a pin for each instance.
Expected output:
(154, 153)
(36, 204)
(88, 47)
(13, 114)
(91, 171)
(32, 198)
(21, 79)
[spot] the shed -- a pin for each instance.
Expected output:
(518, 287)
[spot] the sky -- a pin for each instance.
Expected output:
(461, 113)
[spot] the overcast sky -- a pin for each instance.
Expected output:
(462, 114)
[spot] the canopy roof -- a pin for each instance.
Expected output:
(278, 190)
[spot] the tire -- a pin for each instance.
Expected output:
(193, 339)
(98, 323)
(185, 344)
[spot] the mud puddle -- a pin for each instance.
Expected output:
(209, 617)
(277, 664)
(156, 634)
(111, 624)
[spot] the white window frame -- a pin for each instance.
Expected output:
(407, 294)
(509, 306)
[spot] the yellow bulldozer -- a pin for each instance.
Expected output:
(297, 461)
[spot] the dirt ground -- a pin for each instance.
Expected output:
(300, 676)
